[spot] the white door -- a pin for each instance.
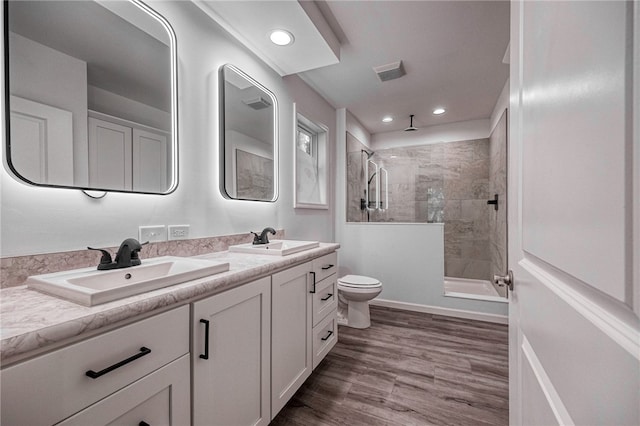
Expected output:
(574, 247)
(109, 155)
(230, 357)
(149, 161)
(291, 345)
(41, 142)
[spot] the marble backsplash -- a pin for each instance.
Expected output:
(15, 270)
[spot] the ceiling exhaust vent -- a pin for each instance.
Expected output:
(257, 103)
(390, 71)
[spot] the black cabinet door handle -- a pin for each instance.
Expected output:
(205, 355)
(314, 282)
(327, 297)
(94, 375)
(325, 267)
(329, 333)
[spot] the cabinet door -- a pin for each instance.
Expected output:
(42, 142)
(109, 155)
(149, 161)
(161, 398)
(291, 350)
(231, 381)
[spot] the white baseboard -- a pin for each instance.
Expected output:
(458, 313)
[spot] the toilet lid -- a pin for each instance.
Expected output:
(358, 281)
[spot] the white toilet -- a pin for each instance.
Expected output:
(354, 293)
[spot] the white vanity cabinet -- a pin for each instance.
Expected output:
(325, 306)
(133, 370)
(291, 327)
(304, 310)
(231, 356)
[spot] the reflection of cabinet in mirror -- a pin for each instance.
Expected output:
(125, 155)
(73, 58)
(42, 141)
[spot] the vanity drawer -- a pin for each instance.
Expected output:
(325, 299)
(325, 266)
(325, 336)
(51, 387)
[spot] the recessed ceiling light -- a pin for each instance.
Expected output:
(439, 111)
(387, 119)
(281, 37)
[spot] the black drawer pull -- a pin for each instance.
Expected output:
(143, 351)
(143, 423)
(314, 282)
(328, 335)
(327, 297)
(325, 267)
(206, 339)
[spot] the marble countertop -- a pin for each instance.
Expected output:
(32, 321)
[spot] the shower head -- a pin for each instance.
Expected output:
(411, 128)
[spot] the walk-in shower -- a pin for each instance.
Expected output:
(459, 184)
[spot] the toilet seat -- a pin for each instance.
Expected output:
(358, 281)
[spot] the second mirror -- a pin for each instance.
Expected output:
(248, 137)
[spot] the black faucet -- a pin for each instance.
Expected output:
(126, 256)
(263, 238)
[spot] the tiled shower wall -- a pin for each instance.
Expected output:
(446, 182)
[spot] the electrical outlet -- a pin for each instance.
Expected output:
(178, 232)
(153, 234)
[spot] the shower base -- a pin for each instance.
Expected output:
(468, 288)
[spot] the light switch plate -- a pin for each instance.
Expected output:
(152, 233)
(178, 232)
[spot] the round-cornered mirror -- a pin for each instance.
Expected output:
(91, 95)
(248, 135)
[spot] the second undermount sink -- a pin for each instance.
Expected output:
(91, 287)
(275, 247)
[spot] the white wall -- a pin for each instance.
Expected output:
(118, 106)
(408, 259)
(50, 77)
(300, 222)
(501, 105)
(40, 220)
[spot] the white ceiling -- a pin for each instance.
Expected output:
(452, 52)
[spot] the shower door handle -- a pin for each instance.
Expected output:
(504, 280)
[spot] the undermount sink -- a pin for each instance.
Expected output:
(91, 287)
(275, 247)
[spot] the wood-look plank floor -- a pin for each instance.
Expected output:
(408, 368)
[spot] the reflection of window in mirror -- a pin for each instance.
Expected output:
(310, 164)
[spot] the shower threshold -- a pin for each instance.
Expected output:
(467, 288)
